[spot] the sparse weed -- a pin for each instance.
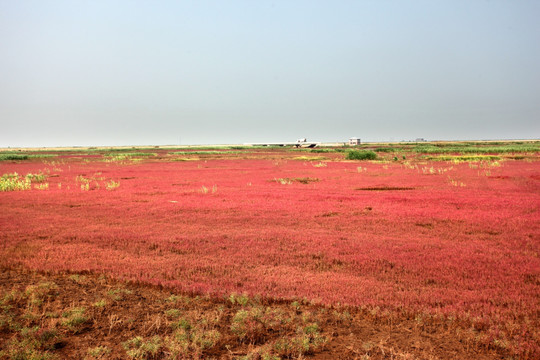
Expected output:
(310, 158)
(408, 165)
(368, 345)
(98, 352)
(79, 279)
(193, 334)
(93, 183)
(44, 186)
(74, 319)
(81, 179)
(179, 299)
(37, 178)
(429, 170)
(288, 181)
(138, 348)
(342, 317)
(14, 182)
(36, 294)
(111, 185)
(456, 183)
(173, 313)
(100, 304)
(127, 157)
(283, 181)
(239, 299)
(432, 170)
(307, 340)
(246, 324)
(29, 348)
(205, 190)
(117, 294)
(264, 352)
(250, 324)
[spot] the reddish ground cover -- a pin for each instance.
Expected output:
(459, 240)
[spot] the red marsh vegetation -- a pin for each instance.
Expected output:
(419, 234)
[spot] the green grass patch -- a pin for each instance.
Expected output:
(477, 149)
(360, 155)
(17, 157)
(464, 158)
(13, 157)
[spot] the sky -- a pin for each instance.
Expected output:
(90, 73)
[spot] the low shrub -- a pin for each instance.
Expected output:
(361, 155)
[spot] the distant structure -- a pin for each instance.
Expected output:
(420, 140)
(354, 141)
(299, 143)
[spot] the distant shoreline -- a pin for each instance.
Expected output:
(321, 144)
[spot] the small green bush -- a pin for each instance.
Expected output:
(361, 155)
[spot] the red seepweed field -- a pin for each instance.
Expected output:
(449, 238)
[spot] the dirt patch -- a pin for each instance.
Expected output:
(90, 316)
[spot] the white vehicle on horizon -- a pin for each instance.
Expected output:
(299, 143)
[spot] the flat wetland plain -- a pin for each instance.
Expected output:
(426, 251)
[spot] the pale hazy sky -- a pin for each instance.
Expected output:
(169, 72)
